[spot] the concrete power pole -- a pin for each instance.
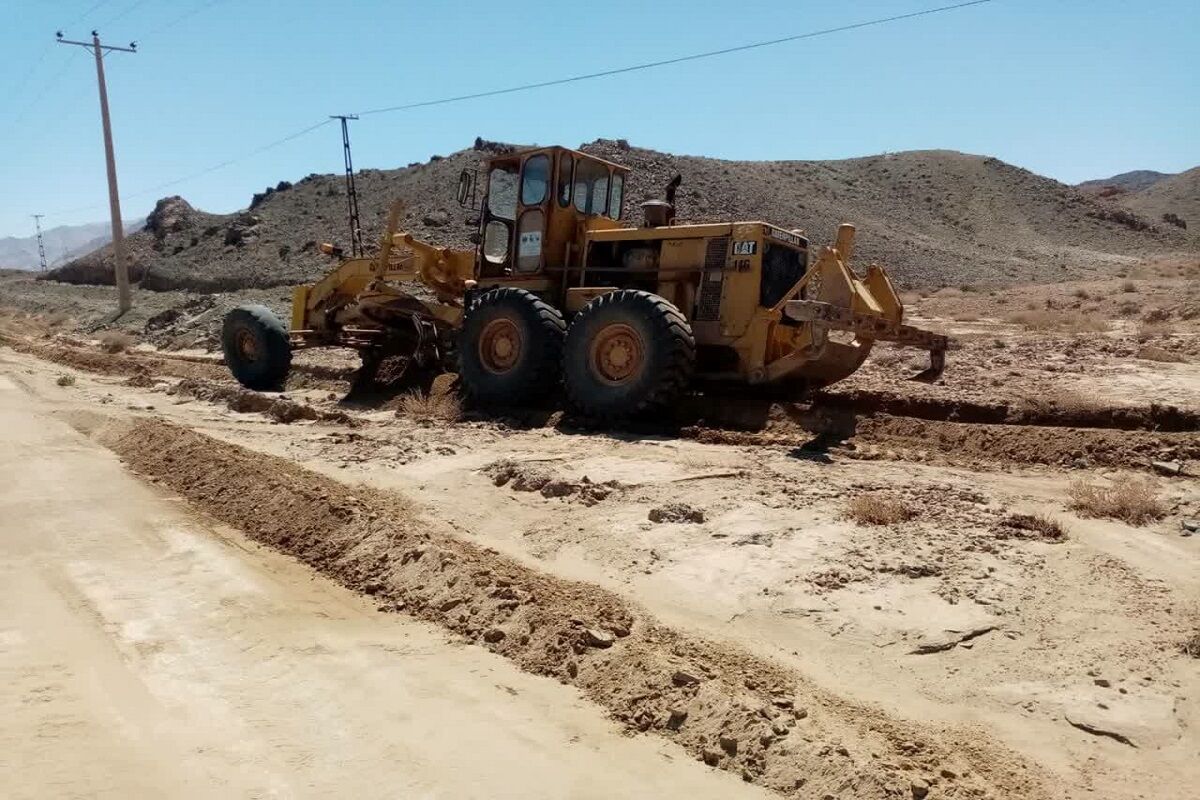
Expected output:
(37, 223)
(120, 267)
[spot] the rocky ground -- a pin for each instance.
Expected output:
(981, 587)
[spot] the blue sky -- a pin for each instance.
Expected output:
(1073, 89)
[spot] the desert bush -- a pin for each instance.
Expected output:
(444, 407)
(66, 380)
(1191, 645)
(1152, 330)
(1129, 287)
(1155, 353)
(1082, 294)
(1051, 319)
(1127, 308)
(1033, 526)
(1157, 315)
(875, 508)
(1133, 501)
(116, 341)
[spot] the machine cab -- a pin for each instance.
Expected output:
(536, 204)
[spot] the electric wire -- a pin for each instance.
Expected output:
(668, 61)
(532, 86)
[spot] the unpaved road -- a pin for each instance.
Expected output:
(148, 652)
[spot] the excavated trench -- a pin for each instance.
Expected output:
(728, 708)
(857, 423)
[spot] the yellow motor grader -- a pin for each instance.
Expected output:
(561, 290)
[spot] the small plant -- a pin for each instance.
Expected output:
(1191, 646)
(1155, 353)
(1032, 526)
(1053, 319)
(875, 508)
(116, 341)
(66, 380)
(1082, 294)
(1133, 501)
(444, 407)
(1129, 287)
(1157, 315)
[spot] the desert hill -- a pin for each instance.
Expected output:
(1133, 181)
(933, 217)
(1178, 195)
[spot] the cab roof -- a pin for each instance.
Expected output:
(520, 154)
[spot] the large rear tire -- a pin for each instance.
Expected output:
(627, 352)
(510, 348)
(256, 347)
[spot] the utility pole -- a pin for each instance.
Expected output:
(120, 267)
(356, 245)
(37, 223)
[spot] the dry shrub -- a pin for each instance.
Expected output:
(1157, 315)
(1082, 294)
(1051, 319)
(1153, 330)
(875, 508)
(1155, 353)
(1191, 646)
(444, 407)
(66, 380)
(1133, 501)
(1127, 308)
(1129, 287)
(116, 341)
(1032, 526)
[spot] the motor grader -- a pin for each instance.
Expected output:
(561, 290)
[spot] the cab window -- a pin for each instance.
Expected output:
(535, 180)
(618, 189)
(566, 164)
(502, 192)
(591, 187)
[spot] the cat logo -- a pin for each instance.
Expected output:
(745, 248)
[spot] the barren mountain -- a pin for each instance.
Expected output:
(63, 243)
(1178, 195)
(1133, 181)
(933, 217)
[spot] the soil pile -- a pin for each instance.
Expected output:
(730, 709)
(933, 217)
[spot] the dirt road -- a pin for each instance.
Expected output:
(147, 652)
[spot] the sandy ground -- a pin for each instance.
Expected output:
(147, 652)
(1065, 654)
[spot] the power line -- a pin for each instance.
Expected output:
(129, 10)
(677, 60)
(531, 86)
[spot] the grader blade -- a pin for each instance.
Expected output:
(871, 327)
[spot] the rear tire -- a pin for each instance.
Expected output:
(255, 343)
(510, 347)
(627, 352)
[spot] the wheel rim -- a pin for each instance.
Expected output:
(247, 345)
(617, 354)
(500, 345)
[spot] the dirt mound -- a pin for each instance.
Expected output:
(732, 710)
(527, 477)
(244, 401)
(934, 217)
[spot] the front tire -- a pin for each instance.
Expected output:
(256, 347)
(627, 352)
(510, 347)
